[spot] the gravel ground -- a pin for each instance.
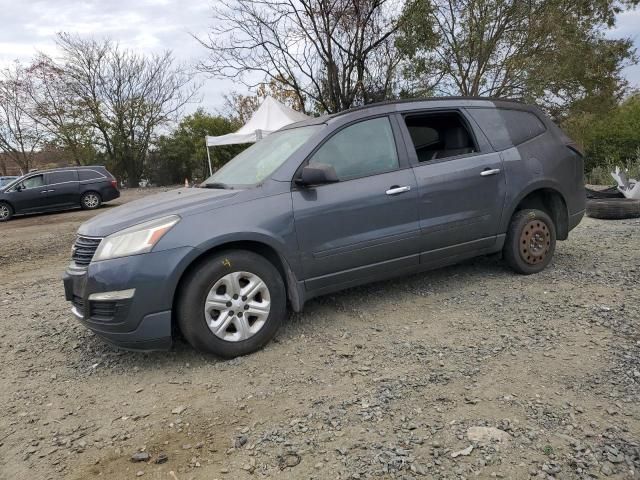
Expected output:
(469, 371)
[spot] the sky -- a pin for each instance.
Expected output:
(29, 26)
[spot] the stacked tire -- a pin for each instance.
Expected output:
(613, 208)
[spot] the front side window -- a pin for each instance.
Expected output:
(260, 160)
(33, 182)
(366, 148)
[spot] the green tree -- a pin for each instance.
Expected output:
(609, 139)
(549, 52)
(183, 154)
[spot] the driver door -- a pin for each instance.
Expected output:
(366, 225)
(30, 195)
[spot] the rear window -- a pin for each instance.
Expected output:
(62, 177)
(506, 128)
(85, 175)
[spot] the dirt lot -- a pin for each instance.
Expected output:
(382, 381)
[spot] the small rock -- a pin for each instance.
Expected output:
(487, 434)
(466, 452)
(240, 441)
(178, 410)
(161, 458)
(140, 457)
(139, 473)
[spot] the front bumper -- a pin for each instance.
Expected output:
(127, 301)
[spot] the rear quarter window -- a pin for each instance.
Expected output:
(506, 128)
(86, 175)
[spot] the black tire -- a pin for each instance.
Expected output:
(611, 192)
(530, 242)
(90, 200)
(613, 209)
(199, 282)
(6, 212)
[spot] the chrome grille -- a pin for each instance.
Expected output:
(83, 249)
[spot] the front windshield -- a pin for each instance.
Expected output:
(9, 183)
(261, 159)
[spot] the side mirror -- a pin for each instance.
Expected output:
(317, 174)
(19, 188)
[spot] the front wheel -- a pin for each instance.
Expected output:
(530, 242)
(6, 212)
(231, 304)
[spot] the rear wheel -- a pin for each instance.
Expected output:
(530, 242)
(91, 200)
(231, 304)
(6, 212)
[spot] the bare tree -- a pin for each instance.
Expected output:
(331, 54)
(20, 135)
(56, 108)
(124, 97)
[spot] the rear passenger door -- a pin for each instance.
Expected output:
(461, 184)
(62, 188)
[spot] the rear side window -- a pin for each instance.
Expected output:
(366, 148)
(62, 177)
(85, 175)
(506, 128)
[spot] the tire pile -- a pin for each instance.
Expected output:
(610, 204)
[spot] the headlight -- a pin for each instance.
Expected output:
(137, 239)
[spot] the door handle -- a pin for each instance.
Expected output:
(490, 171)
(396, 190)
(44, 191)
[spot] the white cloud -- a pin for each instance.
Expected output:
(152, 25)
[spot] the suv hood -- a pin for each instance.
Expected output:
(183, 201)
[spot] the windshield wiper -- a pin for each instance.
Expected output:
(223, 186)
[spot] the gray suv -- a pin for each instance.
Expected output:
(323, 205)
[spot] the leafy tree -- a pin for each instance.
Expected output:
(551, 52)
(182, 154)
(609, 139)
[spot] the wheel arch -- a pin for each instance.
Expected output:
(265, 248)
(548, 198)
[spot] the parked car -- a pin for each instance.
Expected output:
(322, 205)
(6, 180)
(57, 189)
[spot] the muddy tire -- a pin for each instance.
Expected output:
(231, 304)
(530, 242)
(613, 209)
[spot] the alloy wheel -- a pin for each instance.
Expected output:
(4, 212)
(91, 200)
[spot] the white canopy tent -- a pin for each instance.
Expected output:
(270, 116)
